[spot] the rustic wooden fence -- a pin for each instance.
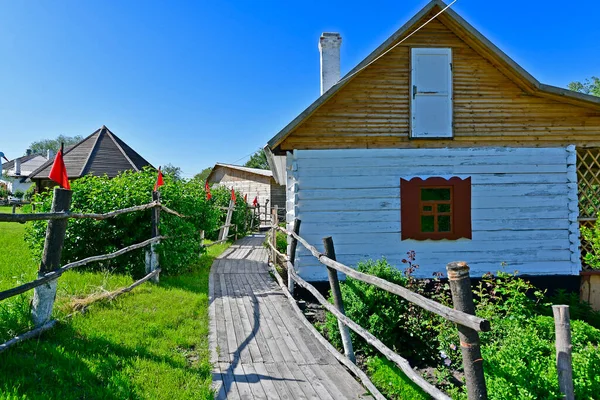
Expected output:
(463, 314)
(50, 270)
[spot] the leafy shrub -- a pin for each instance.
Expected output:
(3, 191)
(406, 328)
(19, 194)
(592, 236)
(87, 237)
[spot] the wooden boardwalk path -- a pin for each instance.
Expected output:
(259, 347)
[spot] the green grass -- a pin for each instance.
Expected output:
(149, 344)
(392, 382)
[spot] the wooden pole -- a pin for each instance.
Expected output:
(274, 234)
(225, 231)
(44, 295)
(462, 298)
(201, 242)
(152, 261)
(337, 299)
(292, 256)
(564, 364)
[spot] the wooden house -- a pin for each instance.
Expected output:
(252, 182)
(438, 142)
(101, 153)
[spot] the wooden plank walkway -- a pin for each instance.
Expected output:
(259, 347)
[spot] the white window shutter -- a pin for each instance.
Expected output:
(431, 93)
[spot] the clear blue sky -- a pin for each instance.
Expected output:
(192, 83)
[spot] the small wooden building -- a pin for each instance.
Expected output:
(252, 182)
(101, 153)
(438, 142)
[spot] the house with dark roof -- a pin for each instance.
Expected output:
(15, 172)
(253, 182)
(101, 153)
(439, 143)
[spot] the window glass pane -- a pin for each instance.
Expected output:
(427, 223)
(443, 208)
(435, 194)
(444, 223)
(427, 208)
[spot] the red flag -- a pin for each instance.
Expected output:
(246, 198)
(159, 180)
(233, 195)
(58, 173)
(255, 202)
(207, 190)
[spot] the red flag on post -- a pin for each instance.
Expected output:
(207, 190)
(159, 180)
(255, 202)
(233, 195)
(58, 173)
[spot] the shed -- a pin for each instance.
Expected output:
(101, 153)
(253, 182)
(438, 142)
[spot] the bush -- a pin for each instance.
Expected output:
(392, 382)
(406, 328)
(19, 194)
(87, 237)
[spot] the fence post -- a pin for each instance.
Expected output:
(292, 256)
(462, 298)
(152, 261)
(14, 209)
(201, 242)
(564, 366)
(274, 234)
(337, 299)
(44, 295)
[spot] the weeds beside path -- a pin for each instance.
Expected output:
(150, 344)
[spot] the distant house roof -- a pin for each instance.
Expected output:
(100, 153)
(11, 164)
(257, 171)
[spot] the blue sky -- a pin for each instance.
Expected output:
(192, 83)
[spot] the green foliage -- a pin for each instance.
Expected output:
(405, 328)
(29, 193)
(579, 310)
(3, 192)
(592, 236)
(19, 194)
(588, 86)
(386, 376)
(86, 237)
(258, 160)
(172, 171)
(42, 146)
(202, 175)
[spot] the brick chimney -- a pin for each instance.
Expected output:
(329, 46)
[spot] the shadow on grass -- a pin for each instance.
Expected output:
(63, 364)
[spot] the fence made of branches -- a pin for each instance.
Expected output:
(463, 314)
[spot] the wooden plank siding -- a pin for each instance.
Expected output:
(524, 207)
(490, 109)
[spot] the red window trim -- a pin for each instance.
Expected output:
(410, 214)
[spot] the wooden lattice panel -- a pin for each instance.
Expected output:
(588, 185)
(588, 179)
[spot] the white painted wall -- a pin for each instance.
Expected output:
(524, 207)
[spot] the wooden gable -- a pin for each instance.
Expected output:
(492, 104)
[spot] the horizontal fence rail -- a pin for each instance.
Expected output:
(459, 317)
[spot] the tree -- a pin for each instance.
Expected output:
(42, 146)
(589, 86)
(203, 174)
(258, 160)
(172, 171)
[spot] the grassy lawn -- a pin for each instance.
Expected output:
(149, 344)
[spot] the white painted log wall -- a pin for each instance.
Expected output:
(524, 207)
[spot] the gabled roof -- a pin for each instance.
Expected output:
(472, 37)
(100, 153)
(256, 171)
(11, 164)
